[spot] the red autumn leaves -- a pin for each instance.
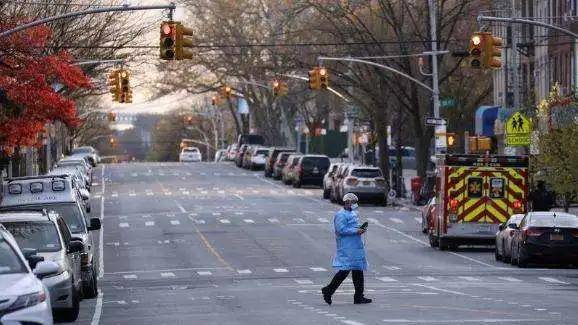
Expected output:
(28, 74)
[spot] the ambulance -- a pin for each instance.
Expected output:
(474, 195)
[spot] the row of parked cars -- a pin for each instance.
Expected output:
(47, 254)
(292, 168)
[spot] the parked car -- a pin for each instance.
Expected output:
(279, 164)
(272, 157)
(24, 299)
(365, 182)
(232, 152)
(247, 156)
(190, 154)
(504, 238)
(427, 213)
(48, 236)
(87, 151)
(546, 237)
(310, 170)
(241, 155)
(220, 155)
(335, 195)
(258, 158)
(328, 180)
(56, 193)
(79, 163)
(288, 174)
(76, 182)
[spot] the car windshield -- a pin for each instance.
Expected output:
(548, 220)
(39, 235)
(319, 162)
(515, 219)
(283, 157)
(366, 173)
(191, 150)
(262, 152)
(80, 150)
(70, 212)
(10, 262)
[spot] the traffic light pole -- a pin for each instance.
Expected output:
(8, 32)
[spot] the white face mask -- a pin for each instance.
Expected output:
(354, 206)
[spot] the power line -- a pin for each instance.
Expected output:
(56, 4)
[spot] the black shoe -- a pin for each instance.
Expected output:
(326, 295)
(362, 300)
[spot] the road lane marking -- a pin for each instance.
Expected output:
(509, 279)
(244, 271)
(427, 278)
(175, 222)
(224, 221)
(199, 221)
(131, 194)
(463, 321)
(130, 276)
(221, 192)
(469, 278)
(216, 214)
(167, 275)
(299, 220)
(204, 273)
(318, 269)
(123, 225)
(303, 281)
(97, 308)
(323, 220)
(281, 270)
(239, 213)
(168, 193)
(386, 279)
(442, 290)
(248, 221)
(273, 220)
(149, 223)
(396, 220)
(114, 194)
(552, 280)
(392, 268)
(417, 219)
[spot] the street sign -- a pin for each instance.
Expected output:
(518, 130)
(447, 103)
(435, 121)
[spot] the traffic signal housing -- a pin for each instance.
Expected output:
(476, 50)
(114, 84)
(111, 116)
(314, 82)
(323, 78)
(452, 140)
(168, 40)
(183, 44)
(276, 88)
(226, 91)
(493, 52)
(125, 91)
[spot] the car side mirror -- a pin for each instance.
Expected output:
(75, 246)
(513, 226)
(94, 224)
(45, 268)
(501, 227)
(33, 260)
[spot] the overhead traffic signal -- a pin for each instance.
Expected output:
(112, 142)
(168, 40)
(125, 91)
(323, 78)
(111, 116)
(493, 52)
(183, 44)
(226, 91)
(452, 140)
(476, 50)
(276, 87)
(314, 82)
(114, 84)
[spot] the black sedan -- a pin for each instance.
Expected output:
(504, 237)
(546, 237)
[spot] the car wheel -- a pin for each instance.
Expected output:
(326, 193)
(513, 253)
(433, 242)
(297, 184)
(71, 314)
(497, 254)
(521, 261)
(444, 244)
(91, 290)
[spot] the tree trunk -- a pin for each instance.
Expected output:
(381, 128)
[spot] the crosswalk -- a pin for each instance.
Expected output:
(208, 193)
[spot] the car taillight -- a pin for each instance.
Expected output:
(517, 206)
(532, 232)
(352, 181)
(574, 233)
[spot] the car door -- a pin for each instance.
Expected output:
(74, 260)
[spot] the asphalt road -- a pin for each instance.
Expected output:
(213, 244)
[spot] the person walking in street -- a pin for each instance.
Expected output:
(350, 255)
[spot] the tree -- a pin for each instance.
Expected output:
(27, 77)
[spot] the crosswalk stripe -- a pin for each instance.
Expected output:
(303, 281)
(224, 221)
(149, 223)
(427, 278)
(396, 220)
(386, 279)
(299, 220)
(168, 193)
(216, 213)
(150, 193)
(244, 271)
(204, 273)
(123, 225)
(469, 278)
(323, 220)
(130, 276)
(552, 280)
(175, 222)
(114, 194)
(200, 221)
(167, 275)
(392, 268)
(239, 213)
(281, 270)
(318, 269)
(273, 220)
(221, 192)
(417, 219)
(509, 279)
(248, 221)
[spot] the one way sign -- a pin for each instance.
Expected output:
(435, 121)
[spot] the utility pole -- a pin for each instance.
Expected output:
(298, 127)
(350, 117)
(440, 138)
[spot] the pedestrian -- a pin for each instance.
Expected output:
(541, 198)
(350, 255)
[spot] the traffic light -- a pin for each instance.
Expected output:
(183, 44)
(276, 87)
(112, 142)
(114, 84)
(314, 82)
(452, 140)
(111, 116)
(493, 52)
(323, 78)
(226, 91)
(168, 40)
(125, 91)
(476, 49)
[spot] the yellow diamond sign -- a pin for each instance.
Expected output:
(518, 130)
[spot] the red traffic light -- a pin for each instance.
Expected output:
(167, 29)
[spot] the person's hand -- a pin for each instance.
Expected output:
(360, 231)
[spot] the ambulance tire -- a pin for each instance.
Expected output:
(433, 241)
(444, 244)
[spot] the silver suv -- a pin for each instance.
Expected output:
(56, 193)
(47, 235)
(364, 181)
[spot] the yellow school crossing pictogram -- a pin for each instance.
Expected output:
(518, 130)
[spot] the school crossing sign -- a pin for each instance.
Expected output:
(518, 130)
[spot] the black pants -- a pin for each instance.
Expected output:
(357, 276)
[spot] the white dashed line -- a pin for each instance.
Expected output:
(299, 220)
(239, 213)
(427, 278)
(301, 281)
(396, 220)
(175, 222)
(216, 214)
(281, 270)
(323, 220)
(114, 194)
(386, 279)
(204, 273)
(273, 220)
(392, 268)
(130, 276)
(418, 220)
(469, 278)
(167, 275)
(123, 225)
(248, 221)
(244, 271)
(149, 223)
(318, 269)
(552, 280)
(224, 221)
(132, 194)
(200, 221)
(509, 279)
